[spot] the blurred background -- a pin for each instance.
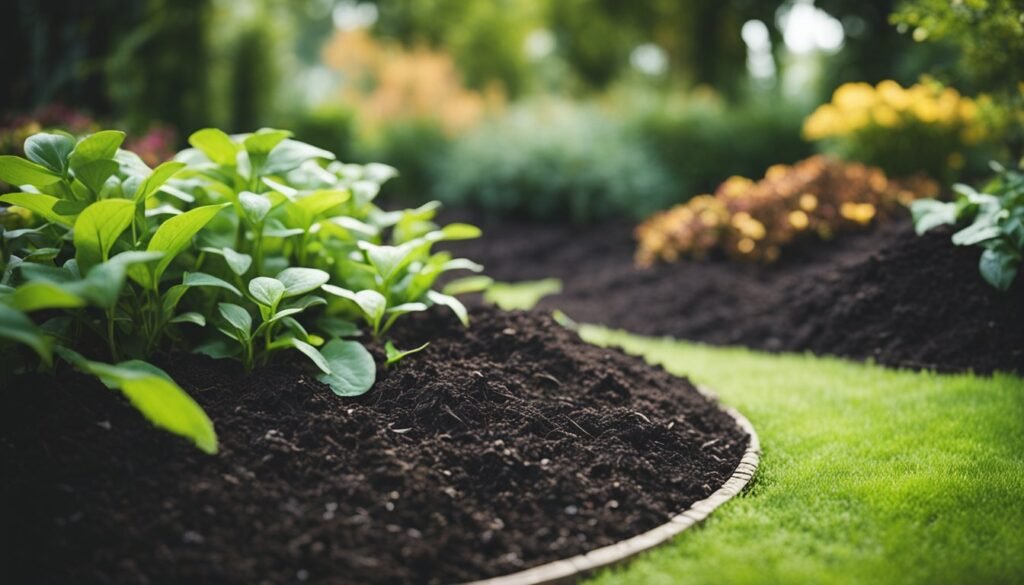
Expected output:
(575, 109)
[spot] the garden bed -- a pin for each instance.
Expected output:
(495, 449)
(885, 295)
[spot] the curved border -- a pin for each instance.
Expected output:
(572, 569)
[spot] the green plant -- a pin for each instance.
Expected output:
(996, 223)
(551, 160)
(99, 247)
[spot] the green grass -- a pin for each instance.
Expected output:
(869, 475)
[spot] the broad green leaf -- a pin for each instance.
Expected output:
(50, 150)
(131, 164)
(976, 233)
(190, 317)
(406, 308)
(454, 231)
(18, 171)
(103, 283)
(452, 303)
(95, 174)
(238, 263)
(999, 266)
(370, 302)
(34, 296)
(191, 279)
(387, 260)
(313, 354)
(216, 145)
(155, 395)
(298, 281)
(17, 327)
(264, 140)
(102, 145)
(354, 225)
(394, 354)
(218, 349)
(318, 202)
(239, 319)
(48, 207)
(289, 154)
(155, 181)
(266, 291)
(256, 207)
(353, 370)
(173, 236)
(98, 227)
(470, 284)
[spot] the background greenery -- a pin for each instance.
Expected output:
(699, 89)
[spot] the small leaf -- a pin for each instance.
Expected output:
(156, 180)
(976, 233)
(387, 260)
(216, 145)
(102, 145)
(191, 279)
(18, 171)
(152, 392)
(470, 284)
(460, 231)
(50, 150)
(17, 327)
(95, 174)
(48, 207)
(394, 354)
(353, 370)
(34, 296)
(999, 266)
(264, 140)
(452, 303)
(98, 227)
(298, 281)
(313, 354)
(256, 207)
(174, 235)
(239, 319)
(289, 154)
(370, 302)
(266, 291)
(190, 317)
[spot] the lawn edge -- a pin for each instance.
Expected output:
(574, 568)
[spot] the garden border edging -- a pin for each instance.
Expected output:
(572, 569)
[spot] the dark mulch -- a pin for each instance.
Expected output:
(495, 449)
(886, 295)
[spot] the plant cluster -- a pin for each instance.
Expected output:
(924, 128)
(244, 246)
(995, 218)
(818, 197)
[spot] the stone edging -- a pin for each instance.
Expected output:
(572, 569)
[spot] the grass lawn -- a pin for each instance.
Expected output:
(869, 475)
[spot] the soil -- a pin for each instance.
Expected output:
(885, 295)
(496, 448)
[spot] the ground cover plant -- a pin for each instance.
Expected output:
(243, 246)
(818, 198)
(866, 476)
(995, 219)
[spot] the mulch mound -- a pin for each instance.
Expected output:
(886, 295)
(497, 448)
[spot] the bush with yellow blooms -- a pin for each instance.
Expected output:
(816, 198)
(927, 127)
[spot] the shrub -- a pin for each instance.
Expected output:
(263, 242)
(924, 128)
(551, 160)
(704, 139)
(815, 198)
(996, 223)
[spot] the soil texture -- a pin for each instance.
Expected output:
(496, 448)
(885, 295)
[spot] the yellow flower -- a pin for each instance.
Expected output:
(745, 246)
(798, 219)
(861, 213)
(808, 202)
(854, 96)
